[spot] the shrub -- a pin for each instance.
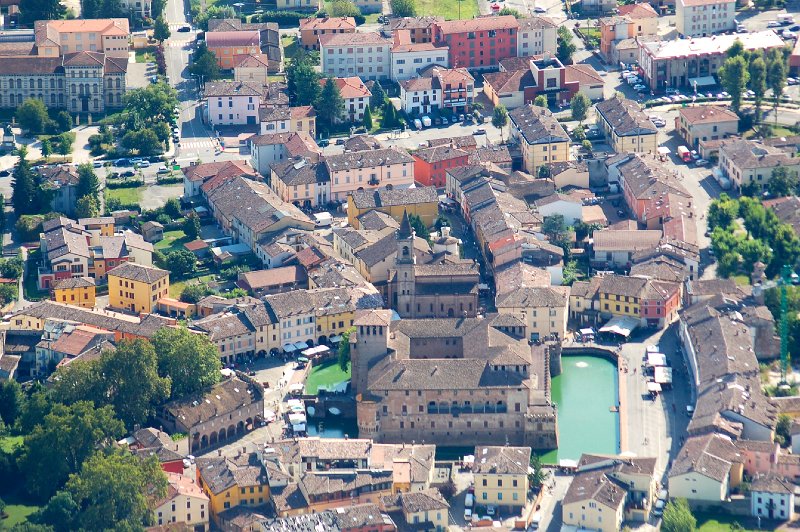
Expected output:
(284, 18)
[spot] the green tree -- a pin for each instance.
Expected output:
(389, 118)
(344, 349)
(190, 360)
(161, 30)
(87, 207)
(367, 119)
(27, 196)
(404, 8)
(205, 65)
(344, 8)
(733, 76)
(3, 222)
(172, 208)
(47, 148)
(144, 141)
(11, 268)
(758, 82)
(194, 292)
(783, 182)
(419, 227)
(579, 105)
(555, 228)
(378, 97)
(64, 146)
(776, 79)
(753, 251)
(722, 212)
(500, 118)
(783, 430)
(32, 10)
(302, 82)
(60, 510)
(116, 490)
(191, 226)
(149, 105)
(63, 121)
(11, 400)
(678, 517)
(785, 248)
(181, 262)
(330, 106)
(509, 11)
(736, 49)
(88, 183)
(565, 45)
(538, 476)
(62, 441)
(32, 116)
(540, 101)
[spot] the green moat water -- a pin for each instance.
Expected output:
(585, 392)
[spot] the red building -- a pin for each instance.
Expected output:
(478, 43)
(660, 302)
(431, 164)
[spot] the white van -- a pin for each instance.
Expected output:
(469, 500)
(417, 123)
(323, 219)
(426, 121)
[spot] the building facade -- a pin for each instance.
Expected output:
(136, 288)
(701, 18)
(366, 55)
(312, 28)
(542, 139)
(479, 43)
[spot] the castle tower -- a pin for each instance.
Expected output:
(404, 265)
(368, 344)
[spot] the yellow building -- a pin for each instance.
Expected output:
(501, 476)
(542, 308)
(304, 118)
(422, 510)
(232, 481)
(626, 126)
(541, 137)
(104, 224)
(421, 201)
(620, 295)
(79, 291)
(608, 490)
(136, 288)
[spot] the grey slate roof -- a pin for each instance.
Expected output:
(537, 125)
(626, 117)
(367, 159)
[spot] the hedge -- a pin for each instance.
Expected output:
(124, 183)
(284, 18)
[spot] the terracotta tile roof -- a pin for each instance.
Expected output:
(503, 83)
(439, 153)
(402, 43)
(643, 10)
(235, 88)
(303, 172)
(276, 276)
(371, 199)
(535, 23)
(251, 60)
(353, 39)
(104, 26)
(221, 473)
(205, 171)
(138, 272)
(582, 74)
(417, 84)
(412, 23)
(303, 111)
(707, 114)
(610, 240)
(361, 159)
(328, 23)
(196, 245)
(84, 59)
(74, 282)
(464, 142)
(220, 400)
(223, 39)
(349, 87)
(77, 341)
(478, 24)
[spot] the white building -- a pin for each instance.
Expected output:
(185, 503)
(772, 498)
(232, 102)
(420, 95)
(536, 35)
(143, 8)
(570, 208)
(356, 97)
(366, 55)
(699, 18)
(408, 57)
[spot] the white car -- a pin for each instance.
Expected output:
(789, 34)
(773, 24)
(639, 87)
(659, 508)
(490, 510)
(417, 123)
(701, 162)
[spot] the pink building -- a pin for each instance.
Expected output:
(365, 170)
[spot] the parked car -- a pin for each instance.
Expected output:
(184, 29)
(539, 9)
(97, 164)
(340, 142)
(639, 88)
(671, 91)
(658, 509)
(129, 173)
(426, 121)
(417, 123)
(5, 173)
(773, 24)
(144, 164)
(162, 170)
(324, 143)
(480, 131)
(701, 162)
(490, 510)
(122, 162)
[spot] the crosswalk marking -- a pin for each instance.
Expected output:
(197, 144)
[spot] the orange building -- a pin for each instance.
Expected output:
(431, 164)
(227, 44)
(312, 28)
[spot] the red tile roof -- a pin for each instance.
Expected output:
(195, 245)
(643, 10)
(222, 39)
(328, 23)
(478, 24)
(350, 87)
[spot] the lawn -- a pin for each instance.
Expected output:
(173, 241)
(17, 510)
(722, 523)
(290, 46)
(7, 443)
(176, 288)
(145, 55)
(449, 9)
(128, 196)
(742, 280)
(326, 374)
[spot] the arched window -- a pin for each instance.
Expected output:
(30, 83)
(39, 83)
(109, 83)
(94, 88)
(405, 251)
(52, 83)
(118, 83)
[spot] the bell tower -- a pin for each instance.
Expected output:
(404, 266)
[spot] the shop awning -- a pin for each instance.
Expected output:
(656, 359)
(622, 325)
(705, 81)
(663, 375)
(297, 387)
(335, 339)
(314, 351)
(297, 418)
(299, 427)
(568, 464)
(299, 346)
(653, 387)
(587, 332)
(289, 348)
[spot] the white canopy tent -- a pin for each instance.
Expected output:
(663, 375)
(656, 359)
(653, 387)
(622, 325)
